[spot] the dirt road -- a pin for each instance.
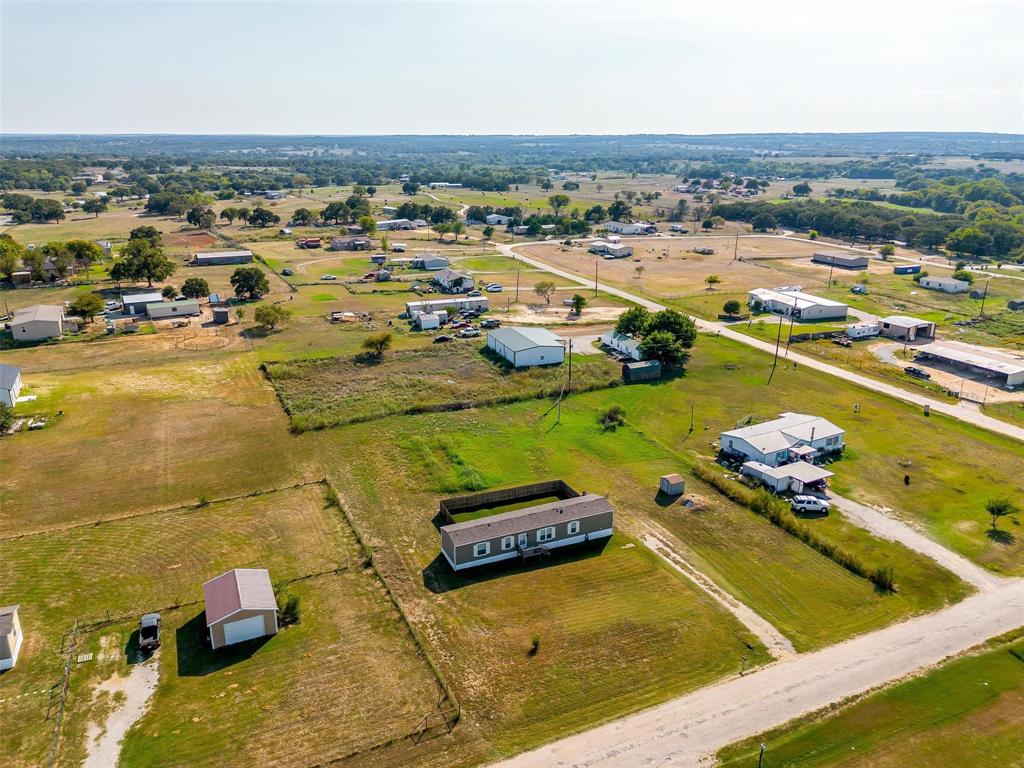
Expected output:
(954, 410)
(685, 731)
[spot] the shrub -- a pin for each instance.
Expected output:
(732, 307)
(291, 610)
(534, 646)
(613, 418)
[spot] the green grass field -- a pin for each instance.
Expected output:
(329, 392)
(968, 712)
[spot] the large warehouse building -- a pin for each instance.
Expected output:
(1004, 369)
(843, 260)
(525, 347)
(790, 301)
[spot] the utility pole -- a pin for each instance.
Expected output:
(517, 286)
(775, 360)
(569, 389)
(691, 419)
(597, 262)
(736, 247)
(832, 266)
(760, 756)
(983, 297)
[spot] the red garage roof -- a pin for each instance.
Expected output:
(240, 589)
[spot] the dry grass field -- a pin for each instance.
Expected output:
(346, 678)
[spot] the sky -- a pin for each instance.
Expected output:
(344, 68)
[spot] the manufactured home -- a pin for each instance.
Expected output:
(791, 437)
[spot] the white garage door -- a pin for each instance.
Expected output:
(243, 629)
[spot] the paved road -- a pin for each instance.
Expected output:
(887, 527)
(949, 409)
(686, 730)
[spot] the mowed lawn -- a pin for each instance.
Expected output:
(618, 629)
(145, 436)
(969, 712)
(347, 677)
(327, 392)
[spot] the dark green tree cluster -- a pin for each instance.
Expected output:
(665, 336)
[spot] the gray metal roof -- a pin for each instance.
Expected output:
(526, 519)
(39, 312)
(518, 339)
(8, 375)
(143, 298)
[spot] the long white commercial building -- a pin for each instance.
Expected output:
(790, 301)
(1008, 371)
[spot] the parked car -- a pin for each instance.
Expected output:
(443, 338)
(329, 277)
(474, 294)
(809, 504)
(110, 306)
(460, 324)
(494, 288)
(490, 322)
(149, 632)
(917, 373)
(287, 272)
(469, 333)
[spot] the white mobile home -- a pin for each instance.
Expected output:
(622, 343)
(862, 330)
(455, 302)
(525, 347)
(163, 309)
(944, 284)
(623, 228)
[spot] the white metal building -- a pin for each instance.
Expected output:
(11, 637)
(10, 385)
(428, 321)
(906, 328)
(791, 437)
(135, 303)
(40, 321)
(790, 301)
(497, 218)
(944, 284)
(240, 606)
(161, 310)
(525, 347)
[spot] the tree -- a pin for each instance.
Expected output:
(249, 281)
(546, 185)
(578, 303)
(33, 262)
(261, 217)
(58, 257)
(458, 228)
(763, 222)
(229, 215)
(10, 255)
(545, 289)
(371, 191)
(271, 315)
(803, 189)
(639, 270)
(998, 509)
(633, 321)
(410, 187)
(887, 250)
(488, 232)
(78, 187)
(619, 210)
(304, 217)
(682, 327)
(378, 343)
(442, 229)
(141, 259)
(192, 216)
(6, 417)
(207, 219)
(84, 252)
(195, 288)
(368, 224)
(963, 274)
(558, 202)
(931, 237)
(970, 240)
(87, 306)
(707, 224)
(812, 235)
(243, 214)
(146, 232)
(169, 292)
(712, 281)
(95, 206)
(663, 347)
(732, 307)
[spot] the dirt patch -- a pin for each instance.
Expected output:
(191, 241)
(131, 697)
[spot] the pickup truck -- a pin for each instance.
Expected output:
(149, 632)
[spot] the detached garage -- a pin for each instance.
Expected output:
(240, 606)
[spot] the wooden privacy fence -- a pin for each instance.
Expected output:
(470, 503)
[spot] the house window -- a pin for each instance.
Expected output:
(524, 539)
(781, 455)
(508, 542)
(545, 534)
(574, 527)
(481, 549)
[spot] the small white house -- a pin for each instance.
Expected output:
(525, 347)
(11, 637)
(40, 321)
(944, 284)
(497, 219)
(623, 344)
(428, 321)
(611, 250)
(10, 385)
(455, 282)
(791, 437)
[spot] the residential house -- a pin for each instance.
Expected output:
(795, 477)
(791, 437)
(351, 243)
(454, 302)
(622, 344)
(10, 385)
(453, 282)
(624, 228)
(526, 347)
(944, 284)
(240, 606)
(37, 322)
(610, 250)
(528, 531)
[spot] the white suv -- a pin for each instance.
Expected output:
(809, 504)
